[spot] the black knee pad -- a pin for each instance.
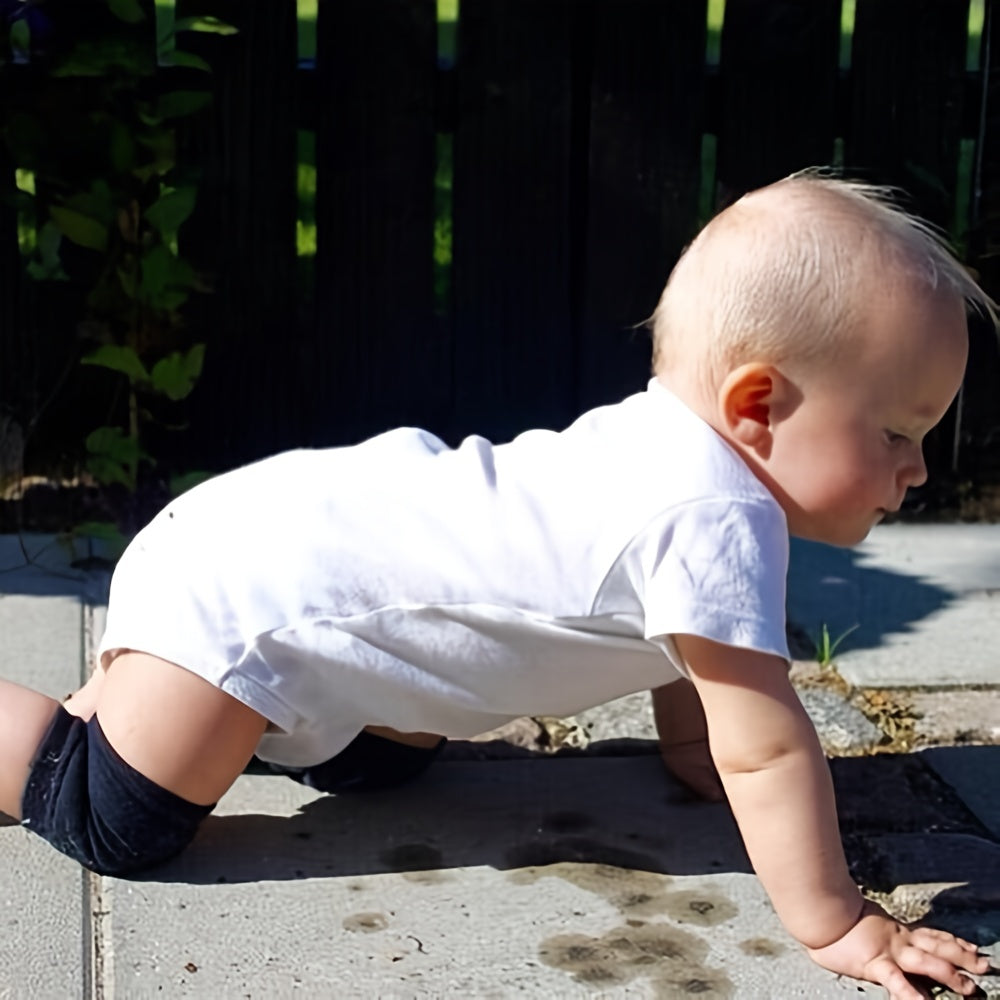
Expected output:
(93, 806)
(369, 763)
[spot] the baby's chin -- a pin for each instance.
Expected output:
(841, 535)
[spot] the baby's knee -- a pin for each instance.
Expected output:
(94, 807)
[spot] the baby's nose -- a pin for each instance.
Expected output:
(916, 471)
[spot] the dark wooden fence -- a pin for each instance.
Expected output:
(578, 155)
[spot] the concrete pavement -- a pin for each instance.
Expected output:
(509, 873)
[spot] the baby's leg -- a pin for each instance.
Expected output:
(176, 728)
(128, 788)
(25, 717)
(377, 758)
(83, 702)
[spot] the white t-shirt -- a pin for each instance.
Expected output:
(403, 583)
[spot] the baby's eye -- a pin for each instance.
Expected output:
(893, 438)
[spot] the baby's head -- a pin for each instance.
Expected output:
(821, 330)
(787, 275)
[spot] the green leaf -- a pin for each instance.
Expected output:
(118, 358)
(169, 211)
(106, 470)
(47, 265)
(105, 531)
(179, 103)
(128, 11)
(114, 456)
(207, 25)
(186, 481)
(121, 148)
(175, 375)
(162, 145)
(186, 59)
(127, 279)
(20, 36)
(79, 228)
(97, 203)
(113, 442)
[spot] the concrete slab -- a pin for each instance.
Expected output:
(44, 908)
(545, 877)
(44, 944)
(925, 600)
(955, 717)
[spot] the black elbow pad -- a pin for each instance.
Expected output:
(94, 807)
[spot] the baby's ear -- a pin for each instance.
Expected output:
(746, 397)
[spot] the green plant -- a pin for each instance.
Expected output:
(94, 139)
(826, 648)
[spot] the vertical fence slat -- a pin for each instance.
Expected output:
(242, 233)
(907, 68)
(979, 456)
(778, 66)
(646, 110)
(513, 347)
(985, 241)
(378, 350)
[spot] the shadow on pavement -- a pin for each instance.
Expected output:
(901, 824)
(517, 813)
(828, 586)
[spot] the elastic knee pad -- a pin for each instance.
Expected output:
(93, 806)
(369, 763)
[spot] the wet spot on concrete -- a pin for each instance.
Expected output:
(412, 858)
(579, 849)
(366, 923)
(566, 822)
(761, 948)
(698, 906)
(672, 960)
(635, 893)
(638, 893)
(430, 877)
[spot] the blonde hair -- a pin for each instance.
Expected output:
(782, 275)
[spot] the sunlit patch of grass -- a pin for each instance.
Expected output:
(716, 15)
(977, 13)
(27, 232)
(846, 32)
(307, 28)
(305, 224)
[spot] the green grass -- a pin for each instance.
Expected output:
(716, 15)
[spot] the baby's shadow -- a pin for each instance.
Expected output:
(906, 830)
(833, 588)
(622, 811)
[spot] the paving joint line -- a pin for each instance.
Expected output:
(97, 944)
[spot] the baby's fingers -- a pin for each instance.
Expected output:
(958, 952)
(917, 962)
(887, 973)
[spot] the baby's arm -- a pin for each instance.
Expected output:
(683, 735)
(778, 784)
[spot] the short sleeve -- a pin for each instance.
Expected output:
(717, 569)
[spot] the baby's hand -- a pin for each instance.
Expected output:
(691, 764)
(880, 950)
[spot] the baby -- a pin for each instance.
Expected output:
(340, 612)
